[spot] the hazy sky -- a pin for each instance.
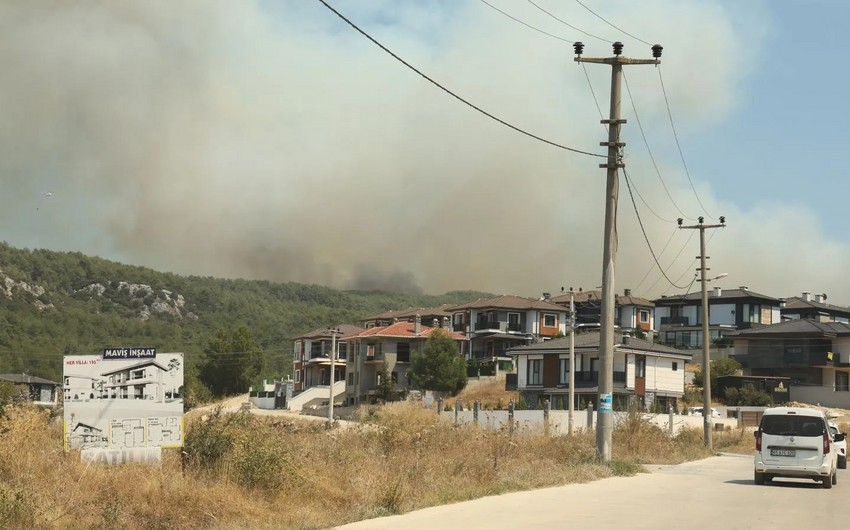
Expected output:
(267, 139)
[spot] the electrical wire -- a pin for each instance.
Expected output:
(594, 13)
(595, 100)
(645, 237)
(651, 267)
(564, 22)
(678, 145)
(454, 95)
(676, 258)
(535, 28)
(649, 150)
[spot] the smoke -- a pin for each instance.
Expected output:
(270, 141)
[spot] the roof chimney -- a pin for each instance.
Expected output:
(445, 322)
(546, 296)
(627, 292)
(417, 324)
(435, 323)
(807, 296)
(744, 288)
(718, 291)
(819, 298)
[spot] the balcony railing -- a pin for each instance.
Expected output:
(515, 327)
(493, 324)
(675, 321)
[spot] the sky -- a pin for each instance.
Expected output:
(267, 139)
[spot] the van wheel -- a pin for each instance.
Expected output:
(827, 482)
(758, 478)
(834, 478)
(842, 462)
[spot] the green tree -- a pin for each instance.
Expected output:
(439, 366)
(232, 360)
(718, 367)
(7, 393)
(748, 396)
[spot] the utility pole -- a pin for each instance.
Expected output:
(605, 420)
(706, 363)
(334, 333)
(572, 360)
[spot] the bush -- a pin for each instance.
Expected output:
(747, 396)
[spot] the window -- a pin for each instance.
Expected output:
(535, 371)
(640, 367)
(315, 349)
(297, 376)
(565, 371)
(550, 320)
(297, 349)
(341, 350)
(643, 315)
(675, 367)
(350, 379)
(403, 352)
(514, 322)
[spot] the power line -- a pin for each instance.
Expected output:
(594, 13)
(648, 149)
(645, 237)
(535, 28)
(678, 145)
(675, 258)
(651, 267)
(593, 93)
(567, 23)
(449, 92)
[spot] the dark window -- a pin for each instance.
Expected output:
(403, 352)
(644, 316)
(565, 371)
(640, 367)
(550, 320)
(675, 367)
(788, 425)
(341, 350)
(535, 371)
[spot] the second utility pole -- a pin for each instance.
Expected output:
(605, 419)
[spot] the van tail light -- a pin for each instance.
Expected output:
(825, 443)
(758, 441)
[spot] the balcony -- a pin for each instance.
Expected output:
(488, 325)
(675, 321)
(515, 326)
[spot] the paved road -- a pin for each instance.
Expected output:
(714, 493)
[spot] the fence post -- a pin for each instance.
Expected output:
(457, 410)
(590, 416)
(476, 406)
(671, 420)
(547, 406)
(439, 406)
(511, 415)
(740, 419)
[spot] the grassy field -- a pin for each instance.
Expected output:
(247, 471)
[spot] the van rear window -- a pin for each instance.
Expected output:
(792, 425)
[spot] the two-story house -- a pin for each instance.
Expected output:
(393, 347)
(494, 325)
(430, 316)
(814, 307)
(680, 317)
(633, 315)
(814, 355)
(311, 364)
(649, 372)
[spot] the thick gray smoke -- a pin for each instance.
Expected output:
(266, 140)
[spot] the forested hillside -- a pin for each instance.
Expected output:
(55, 303)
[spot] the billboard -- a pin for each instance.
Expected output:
(124, 398)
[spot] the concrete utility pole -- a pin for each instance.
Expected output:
(605, 421)
(334, 333)
(706, 339)
(572, 360)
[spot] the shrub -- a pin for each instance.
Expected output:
(747, 396)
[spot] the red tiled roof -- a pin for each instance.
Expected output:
(403, 329)
(347, 331)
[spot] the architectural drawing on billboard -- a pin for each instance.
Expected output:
(124, 398)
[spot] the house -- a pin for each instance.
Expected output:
(390, 346)
(814, 355)
(680, 317)
(813, 308)
(146, 379)
(494, 325)
(34, 389)
(432, 316)
(84, 436)
(311, 356)
(633, 315)
(651, 373)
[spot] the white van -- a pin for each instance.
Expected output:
(795, 442)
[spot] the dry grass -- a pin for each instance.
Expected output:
(491, 394)
(249, 471)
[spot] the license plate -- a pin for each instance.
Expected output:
(783, 452)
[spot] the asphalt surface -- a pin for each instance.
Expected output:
(716, 492)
